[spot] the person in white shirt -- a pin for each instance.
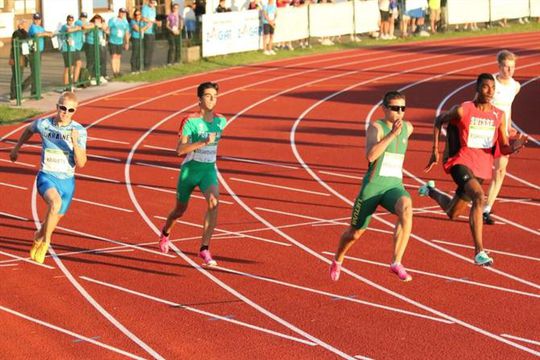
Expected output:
(506, 89)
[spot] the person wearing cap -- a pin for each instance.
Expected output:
(118, 39)
(38, 33)
(71, 51)
(137, 28)
(22, 34)
(148, 13)
(93, 36)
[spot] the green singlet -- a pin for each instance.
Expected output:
(383, 182)
(199, 166)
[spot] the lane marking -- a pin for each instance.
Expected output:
(489, 250)
(341, 175)
(450, 278)
(332, 295)
(258, 162)
(160, 148)
(521, 339)
(27, 260)
(18, 163)
(14, 216)
(14, 186)
(226, 232)
(279, 186)
(85, 293)
(102, 205)
(104, 157)
(70, 333)
(195, 310)
(157, 166)
(174, 192)
(93, 138)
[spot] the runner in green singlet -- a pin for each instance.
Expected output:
(383, 185)
(199, 135)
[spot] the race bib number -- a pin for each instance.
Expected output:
(206, 154)
(481, 136)
(56, 160)
(392, 165)
(25, 49)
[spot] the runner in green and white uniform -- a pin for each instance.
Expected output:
(199, 136)
(387, 141)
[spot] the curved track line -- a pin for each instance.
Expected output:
(85, 294)
(353, 274)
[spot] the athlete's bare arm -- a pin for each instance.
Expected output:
(25, 136)
(376, 144)
(184, 146)
(506, 147)
(455, 113)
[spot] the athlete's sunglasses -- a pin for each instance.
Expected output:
(65, 108)
(396, 108)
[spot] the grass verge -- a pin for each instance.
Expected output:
(10, 115)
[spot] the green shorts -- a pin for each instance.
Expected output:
(193, 174)
(370, 197)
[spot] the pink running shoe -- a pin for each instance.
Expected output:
(164, 243)
(207, 257)
(335, 269)
(400, 271)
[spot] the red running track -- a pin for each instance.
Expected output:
(290, 166)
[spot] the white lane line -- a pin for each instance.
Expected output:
(195, 310)
(97, 178)
(70, 333)
(104, 157)
(333, 222)
(519, 201)
(18, 163)
(174, 192)
(279, 186)
(93, 138)
(13, 186)
(258, 162)
(450, 278)
(514, 123)
(521, 339)
(102, 205)
(159, 148)
(341, 175)
(489, 250)
(8, 265)
(85, 293)
(523, 181)
(114, 242)
(226, 232)
(344, 199)
(110, 251)
(157, 166)
(332, 295)
(362, 357)
(20, 258)
(13, 216)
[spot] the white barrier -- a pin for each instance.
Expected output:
(331, 19)
(509, 9)
(231, 32)
(467, 11)
(292, 23)
(535, 8)
(366, 16)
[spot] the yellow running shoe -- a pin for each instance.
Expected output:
(34, 249)
(41, 252)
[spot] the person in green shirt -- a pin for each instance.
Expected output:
(199, 135)
(386, 145)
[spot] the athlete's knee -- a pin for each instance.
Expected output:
(404, 208)
(500, 173)
(213, 204)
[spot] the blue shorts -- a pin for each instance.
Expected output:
(415, 13)
(65, 187)
(191, 25)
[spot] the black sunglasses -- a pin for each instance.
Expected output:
(396, 108)
(65, 109)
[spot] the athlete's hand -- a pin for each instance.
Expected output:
(434, 160)
(211, 138)
(396, 127)
(74, 136)
(521, 140)
(14, 154)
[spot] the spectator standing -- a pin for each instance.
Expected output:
(190, 20)
(36, 31)
(149, 17)
(221, 8)
(100, 28)
(254, 5)
(175, 23)
(137, 28)
(394, 14)
(384, 10)
(118, 39)
(22, 34)
(269, 26)
(71, 51)
(80, 36)
(434, 14)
